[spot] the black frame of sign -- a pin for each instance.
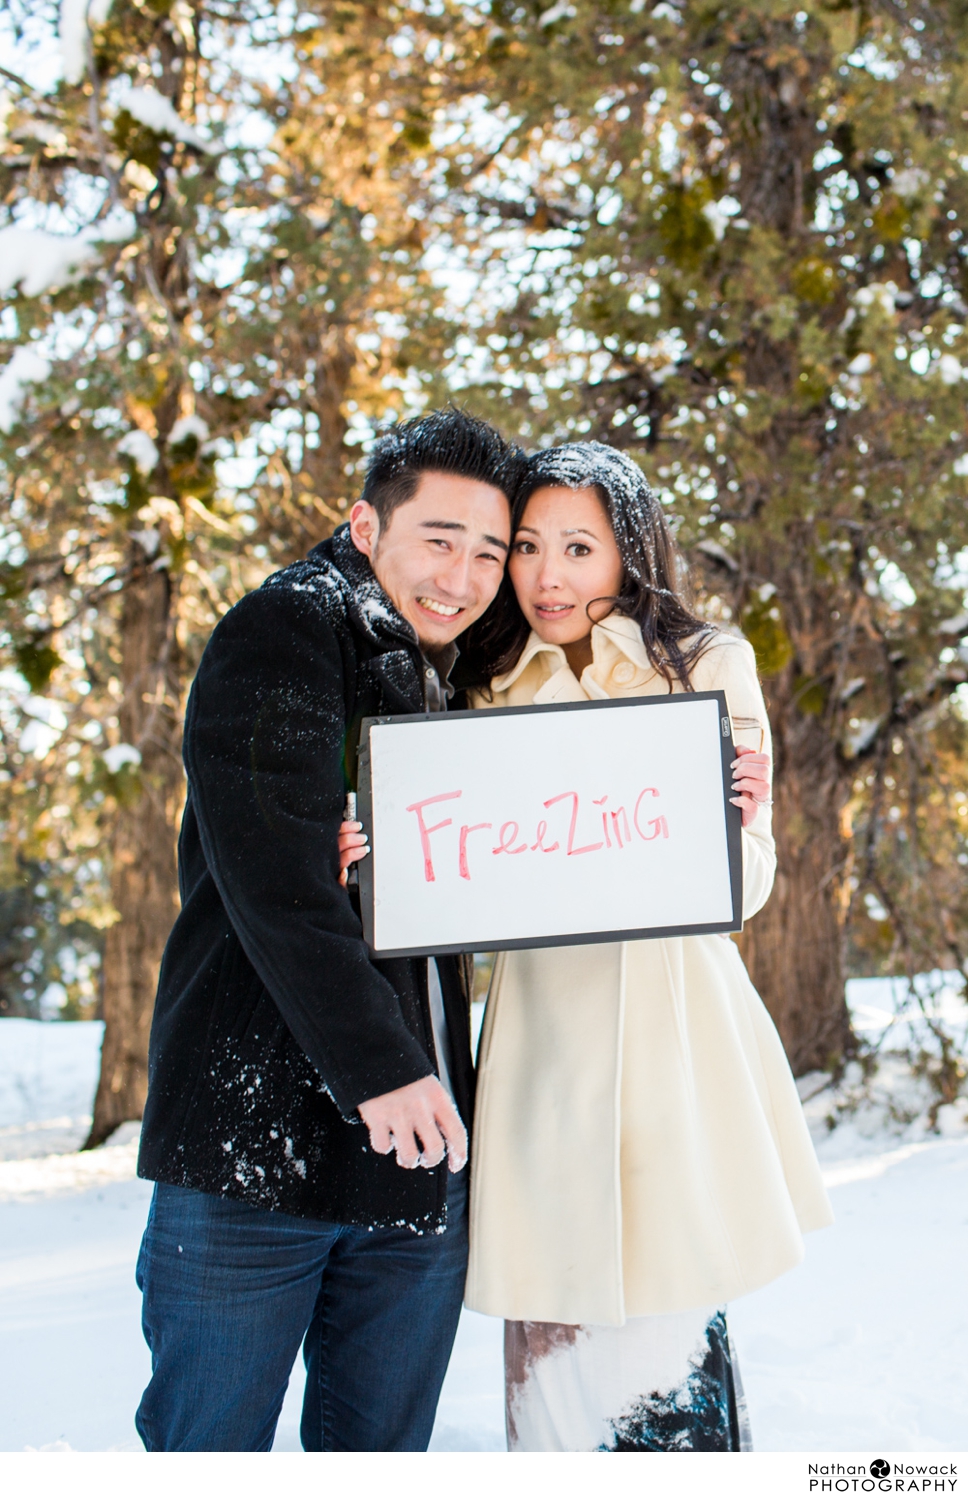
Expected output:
(733, 816)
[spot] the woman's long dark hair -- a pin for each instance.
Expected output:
(651, 593)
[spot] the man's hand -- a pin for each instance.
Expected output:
(419, 1122)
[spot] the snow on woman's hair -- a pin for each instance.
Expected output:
(652, 588)
(633, 509)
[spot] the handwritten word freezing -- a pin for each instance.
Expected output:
(616, 828)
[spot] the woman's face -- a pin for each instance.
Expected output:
(564, 557)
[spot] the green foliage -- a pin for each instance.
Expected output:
(684, 230)
(36, 661)
(729, 239)
(43, 944)
(814, 280)
(763, 627)
(136, 142)
(262, 297)
(733, 241)
(811, 695)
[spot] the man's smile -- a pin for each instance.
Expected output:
(437, 608)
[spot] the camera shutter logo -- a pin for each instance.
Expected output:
(880, 1468)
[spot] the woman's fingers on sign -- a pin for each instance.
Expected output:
(751, 772)
(748, 807)
(352, 843)
(751, 779)
(754, 786)
(752, 762)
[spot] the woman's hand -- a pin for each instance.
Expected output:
(352, 846)
(751, 779)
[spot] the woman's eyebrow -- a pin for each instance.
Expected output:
(573, 531)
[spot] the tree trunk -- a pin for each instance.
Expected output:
(794, 948)
(144, 887)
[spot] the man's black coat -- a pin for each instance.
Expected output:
(272, 1022)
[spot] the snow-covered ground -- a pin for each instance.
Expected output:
(861, 1348)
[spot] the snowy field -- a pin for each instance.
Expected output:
(861, 1348)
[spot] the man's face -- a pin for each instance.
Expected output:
(441, 556)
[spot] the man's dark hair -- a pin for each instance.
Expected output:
(444, 442)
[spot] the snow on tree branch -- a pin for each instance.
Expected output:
(150, 108)
(26, 367)
(137, 445)
(188, 427)
(75, 18)
(38, 261)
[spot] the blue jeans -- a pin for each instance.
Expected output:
(230, 1293)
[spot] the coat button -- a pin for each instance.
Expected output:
(431, 674)
(624, 672)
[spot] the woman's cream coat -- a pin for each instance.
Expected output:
(639, 1145)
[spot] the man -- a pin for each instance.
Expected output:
(305, 1102)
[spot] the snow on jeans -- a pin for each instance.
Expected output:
(230, 1291)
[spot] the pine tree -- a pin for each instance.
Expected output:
(212, 264)
(730, 237)
(726, 237)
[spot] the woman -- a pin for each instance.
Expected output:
(640, 1155)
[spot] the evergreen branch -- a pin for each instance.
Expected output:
(21, 83)
(546, 214)
(909, 710)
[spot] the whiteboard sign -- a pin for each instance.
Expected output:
(549, 825)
